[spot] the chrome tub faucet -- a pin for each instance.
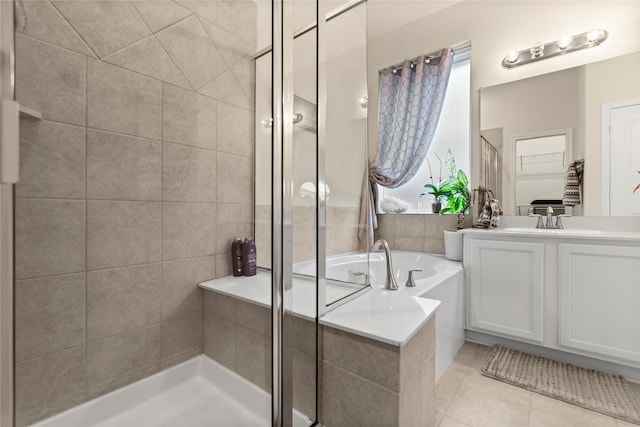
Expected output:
(390, 283)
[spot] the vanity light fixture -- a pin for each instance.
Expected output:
(548, 50)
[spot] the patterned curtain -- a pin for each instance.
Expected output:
(411, 99)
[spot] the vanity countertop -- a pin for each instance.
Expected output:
(622, 236)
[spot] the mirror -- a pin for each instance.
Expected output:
(517, 118)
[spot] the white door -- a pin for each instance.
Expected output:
(624, 160)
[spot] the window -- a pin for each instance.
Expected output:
(452, 133)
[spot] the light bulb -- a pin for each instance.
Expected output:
(564, 42)
(512, 57)
(594, 35)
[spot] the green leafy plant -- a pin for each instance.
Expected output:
(456, 188)
(436, 191)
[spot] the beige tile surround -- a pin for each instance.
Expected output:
(416, 233)
(131, 188)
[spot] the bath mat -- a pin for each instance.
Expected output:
(608, 394)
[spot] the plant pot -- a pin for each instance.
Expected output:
(453, 245)
(436, 206)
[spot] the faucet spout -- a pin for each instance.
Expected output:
(549, 217)
(390, 283)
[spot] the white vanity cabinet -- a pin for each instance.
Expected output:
(599, 299)
(505, 283)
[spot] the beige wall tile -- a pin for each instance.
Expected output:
(252, 350)
(188, 174)
(220, 339)
(435, 246)
(49, 384)
(220, 305)
(52, 160)
(409, 226)
(235, 136)
(188, 118)
(49, 315)
(45, 23)
(223, 265)
(50, 80)
(188, 230)
(226, 88)
(182, 335)
(367, 358)
(149, 58)
(254, 317)
(234, 220)
(160, 14)
(243, 72)
(123, 168)
(192, 50)
(238, 17)
(304, 335)
(231, 47)
(180, 292)
(105, 25)
(413, 244)
(235, 179)
(49, 237)
(122, 233)
(122, 299)
(205, 9)
(121, 359)
(123, 101)
(304, 383)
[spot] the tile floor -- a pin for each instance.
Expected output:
(465, 398)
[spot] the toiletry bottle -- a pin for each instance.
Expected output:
(236, 257)
(249, 257)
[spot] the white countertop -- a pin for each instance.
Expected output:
(623, 236)
(391, 317)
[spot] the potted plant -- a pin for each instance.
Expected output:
(457, 200)
(438, 193)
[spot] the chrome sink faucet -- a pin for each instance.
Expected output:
(549, 223)
(390, 283)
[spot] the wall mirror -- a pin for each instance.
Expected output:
(592, 103)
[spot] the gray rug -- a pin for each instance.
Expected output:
(608, 394)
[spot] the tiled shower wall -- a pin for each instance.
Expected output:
(131, 187)
(417, 233)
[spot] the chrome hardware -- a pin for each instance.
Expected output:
(540, 224)
(297, 118)
(549, 223)
(410, 282)
(559, 221)
(390, 283)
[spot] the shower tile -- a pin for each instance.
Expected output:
(50, 315)
(204, 8)
(435, 246)
(122, 233)
(231, 47)
(188, 230)
(243, 72)
(45, 23)
(235, 179)
(239, 17)
(182, 335)
(369, 359)
(252, 349)
(220, 339)
(149, 58)
(304, 335)
(254, 317)
(225, 88)
(188, 174)
(50, 237)
(52, 160)
(160, 14)
(180, 292)
(220, 305)
(223, 266)
(123, 101)
(193, 51)
(234, 132)
(122, 299)
(119, 360)
(413, 244)
(233, 220)
(188, 118)
(123, 168)
(105, 25)
(50, 80)
(49, 384)
(304, 383)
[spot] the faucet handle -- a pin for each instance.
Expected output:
(540, 224)
(559, 220)
(410, 282)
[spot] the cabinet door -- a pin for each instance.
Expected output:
(599, 299)
(506, 288)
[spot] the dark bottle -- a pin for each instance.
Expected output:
(249, 256)
(236, 257)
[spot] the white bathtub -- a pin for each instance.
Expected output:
(441, 279)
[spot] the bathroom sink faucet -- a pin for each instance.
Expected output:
(549, 223)
(390, 283)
